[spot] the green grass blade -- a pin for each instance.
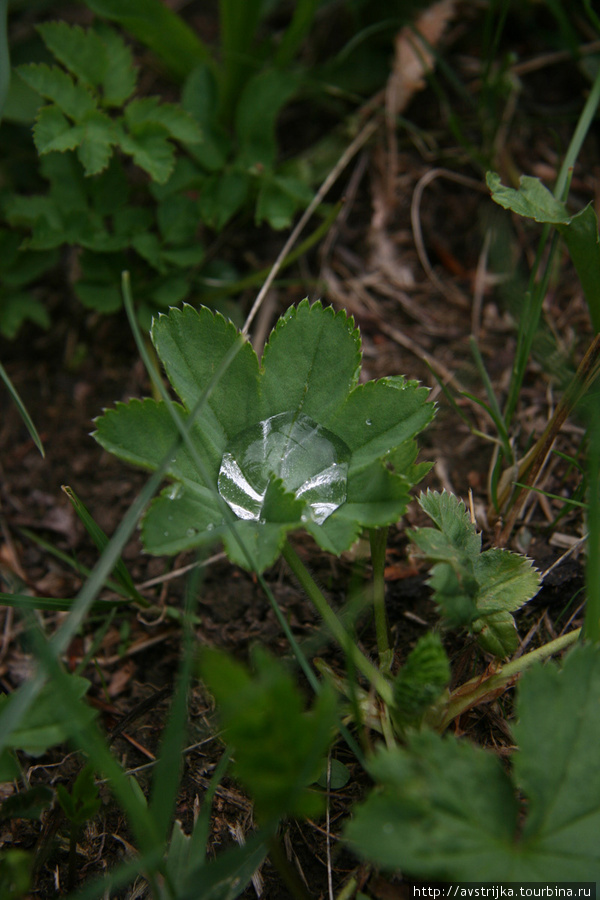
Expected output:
(4, 376)
(51, 604)
(89, 739)
(170, 758)
(70, 561)
(156, 26)
(100, 539)
(494, 406)
(239, 22)
(302, 20)
(592, 611)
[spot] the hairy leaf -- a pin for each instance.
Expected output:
(446, 809)
(478, 589)
(263, 440)
(421, 679)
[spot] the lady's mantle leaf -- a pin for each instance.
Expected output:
(446, 809)
(191, 345)
(479, 590)
(274, 448)
(379, 416)
(310, 363)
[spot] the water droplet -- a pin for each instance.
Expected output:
(191, 532)
(368, 422)
(310, 460)
(210, 526)
(174, 491)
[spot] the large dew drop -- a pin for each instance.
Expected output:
(311, 461)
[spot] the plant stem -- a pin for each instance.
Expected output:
(475, 691)
(378, 540)
(371, 673)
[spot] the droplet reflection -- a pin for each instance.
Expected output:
(311, 461)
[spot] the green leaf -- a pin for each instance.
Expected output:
(9, 767)
(53, 131)
(421, 679)
(258, 107)
(170, 290)
(379, 416)
(533, 200)
(445, 809)
(15, 309)
(150, 149)
(275, 466)
(453, 521)
(28, 804)
(376, 496)
(102, 297)
(278, 200)
(180, 520)
(297, 363)
(335, 775)
(504, 579)
(83, 802)
(476, 589)
(124, 431)
(177, 218)
(191, 344)
(82, 52)
(279, 748)
(255, 545)
(223, 195)
(178, 123)
(74, 100)
(42, 729)
(119, 79)
(160, 29)
(95, 143)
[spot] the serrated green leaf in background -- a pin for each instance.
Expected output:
(81, 52)
(177, 123)
(446, 809)
(160, 29)
(74, 100)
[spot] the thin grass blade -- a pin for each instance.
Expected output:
(12, 389)
(100, 539)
